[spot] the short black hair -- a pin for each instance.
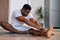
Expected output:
(27, 7)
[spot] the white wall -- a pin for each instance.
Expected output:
(35, 4)
(55, 12)
(46, 12)
(15, 4)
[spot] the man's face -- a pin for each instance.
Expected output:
(25, 12)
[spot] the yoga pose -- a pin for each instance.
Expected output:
(21, 16)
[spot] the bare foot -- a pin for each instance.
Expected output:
(49, 32)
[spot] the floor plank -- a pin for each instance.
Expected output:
(5, 35)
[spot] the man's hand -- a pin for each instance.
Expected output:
(40, 28)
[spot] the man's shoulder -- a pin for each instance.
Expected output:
(17, 13)
(17, 10)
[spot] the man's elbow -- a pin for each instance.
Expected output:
(20, 18)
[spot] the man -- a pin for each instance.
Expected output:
(19, 17)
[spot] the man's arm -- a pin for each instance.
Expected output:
(28, 22)
(35, 22)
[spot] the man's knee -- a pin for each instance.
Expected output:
(4, 23)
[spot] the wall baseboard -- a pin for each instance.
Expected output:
(56, 27)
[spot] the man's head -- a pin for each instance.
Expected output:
(26, 9)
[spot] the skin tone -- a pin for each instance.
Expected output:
(31, 22)
(28, 22)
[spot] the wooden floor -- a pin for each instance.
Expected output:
(5, 35)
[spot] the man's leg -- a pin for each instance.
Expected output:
(9, 27)
(40, 33)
